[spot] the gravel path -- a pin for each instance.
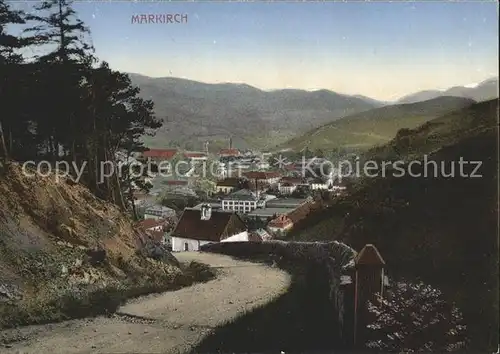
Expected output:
(172, 322)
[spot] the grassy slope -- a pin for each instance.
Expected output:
(441, 229)
(375, 127)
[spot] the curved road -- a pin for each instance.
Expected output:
(172, 322)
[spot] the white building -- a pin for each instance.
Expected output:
(158, 212)
(320, 184)
(261, 177)
(287, 188)
(242, 201)
(200, 227)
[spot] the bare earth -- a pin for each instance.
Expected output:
(172, 322)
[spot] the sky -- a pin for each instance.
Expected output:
(378, 49)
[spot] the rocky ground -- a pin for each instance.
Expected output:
(173, 322)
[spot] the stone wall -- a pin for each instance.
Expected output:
(323, 264)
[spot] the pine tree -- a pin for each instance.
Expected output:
(10, 62)
(118, 118)
(60, 73)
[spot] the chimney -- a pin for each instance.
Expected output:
(230, 143)
(206, 211)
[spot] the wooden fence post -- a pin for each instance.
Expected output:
(369, 280)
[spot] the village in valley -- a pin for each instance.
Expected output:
(248, 196)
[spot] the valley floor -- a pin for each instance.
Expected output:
(173, 322)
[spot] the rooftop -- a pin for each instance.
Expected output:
(219, 226)
(285, 202)
(266, 212)
(150, 223)
(160, 153)
(369, 255)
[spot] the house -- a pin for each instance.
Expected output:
(228, 185)
(199, 227)
(152, 224)
(262, 234)
(285, 221)
(229, 152)
(280, 224)
(158, 212)
(270, 178)
(288, 185)
(242, 201)
(287, 188)
(156, 230)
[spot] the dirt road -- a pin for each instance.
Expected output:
(172, 322)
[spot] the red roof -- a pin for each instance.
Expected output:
(150, 223)
(300, 212)
(260, 175)
(281, 221)
(160, 153)
(229, 152)
(194, 154)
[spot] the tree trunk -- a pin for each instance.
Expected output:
(4, 146)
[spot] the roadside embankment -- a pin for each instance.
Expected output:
(308, 318)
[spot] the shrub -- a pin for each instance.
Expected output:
(414, 317)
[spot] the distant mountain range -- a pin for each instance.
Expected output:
(194, 112)
(482, 91)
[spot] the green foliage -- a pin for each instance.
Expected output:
(442, 230)
(365, 130)
(415, 318)
(78, 111)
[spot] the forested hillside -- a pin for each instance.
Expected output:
(441, 226)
